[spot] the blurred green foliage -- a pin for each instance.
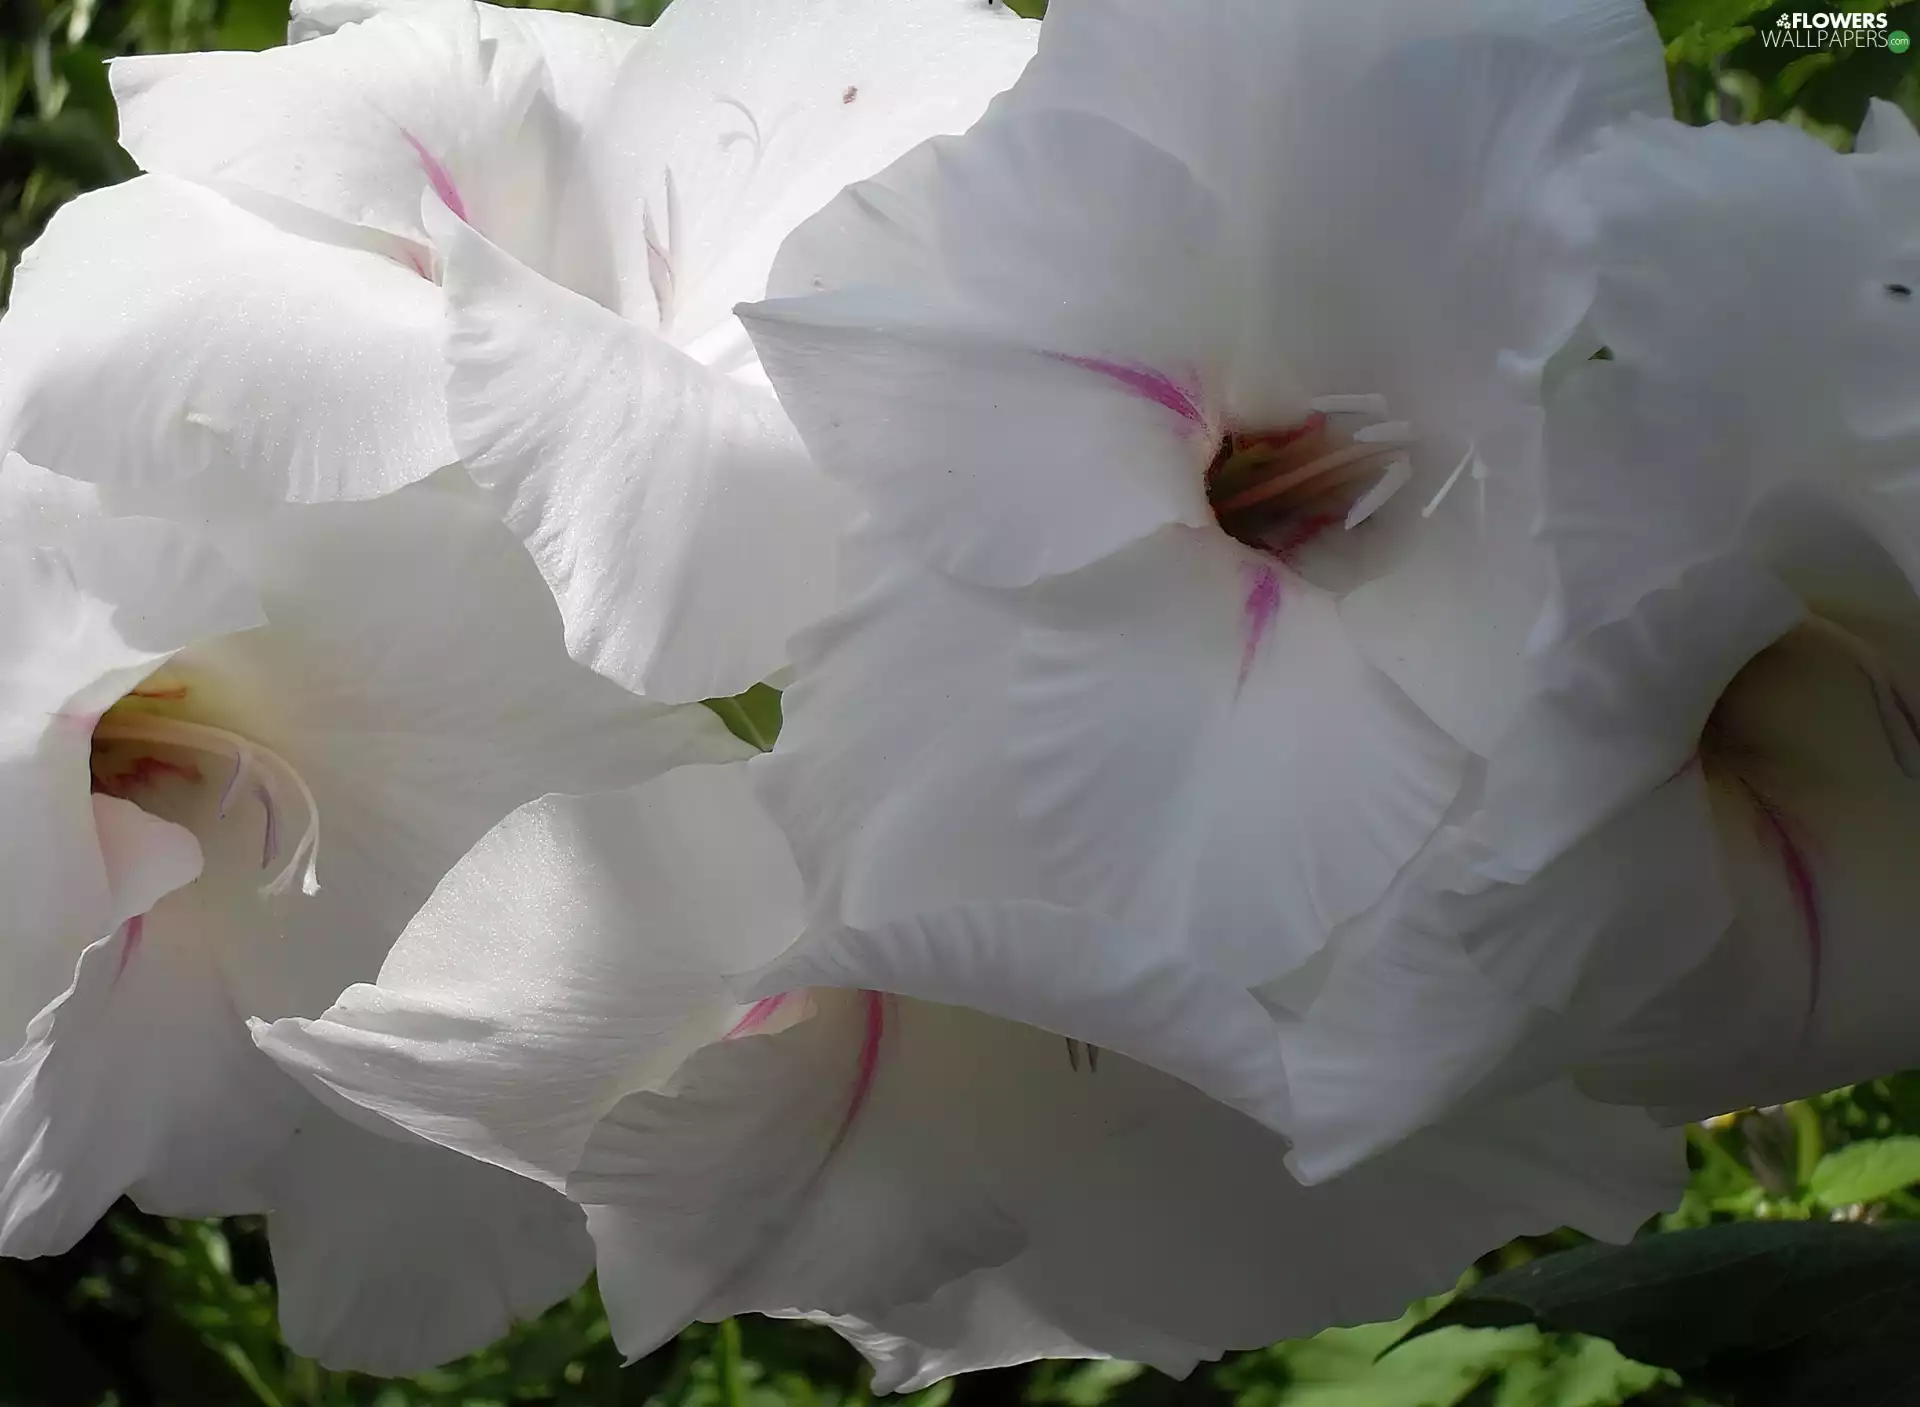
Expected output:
(150, 1313)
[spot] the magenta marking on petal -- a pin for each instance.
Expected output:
(1800, 880)
(757, 1016)
(135, 929)
(1142, 381)
(874, 1007)
(437, 176)
(1263, 604)
(270, 842)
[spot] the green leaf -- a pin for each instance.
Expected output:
(752, 717)
(252, 24)
(1678, 17)
(74, 144)
(1802, 1314)
(1869, 1171)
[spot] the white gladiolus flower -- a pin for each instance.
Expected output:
(584, 200)
(1690, 877)
(234, 759)
(588, 1000)
(632, 442)
(1189, 395)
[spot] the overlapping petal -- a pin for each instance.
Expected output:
(391, 1255)
(221, 340)
(575, 955)
(671, 509)
(89, 615)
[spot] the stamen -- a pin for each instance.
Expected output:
(242, 767)
(1471, 457)
(198, 737)
(1398, 475)
(1333, 468)
(1266, 486)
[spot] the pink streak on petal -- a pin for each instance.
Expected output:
(135, 929)
(1155, 386)
(875, 1006)
(1263, 604)
(1806, 896)
(757, 1016)
(437, 176)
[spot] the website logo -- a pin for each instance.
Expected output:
(1834, 29)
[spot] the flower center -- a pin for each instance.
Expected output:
(140, 753)
(1277, 489)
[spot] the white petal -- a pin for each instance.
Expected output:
(146, 858)
(1156, 1217)
(1064, 971)
(1449, 596)
(221, 340)
(1816, 383)
(1164, 75)
(979, 1321)
(1619, 711)
(87, 620)
(1465, 984)
(414, 675)
(672, 510)
(39, 508)
(1622, 517)
(1153, 1220)
(1037, 396)
(1419, 274)
(1206, 755)
(346, 125)
(887, 815)
(1886, 131)
(573, 956)
(752, 138)
(395, 1257)
(1178, 1215)
(1817, 819)
(140, 1078)
(712, 1195)
(583, 53)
